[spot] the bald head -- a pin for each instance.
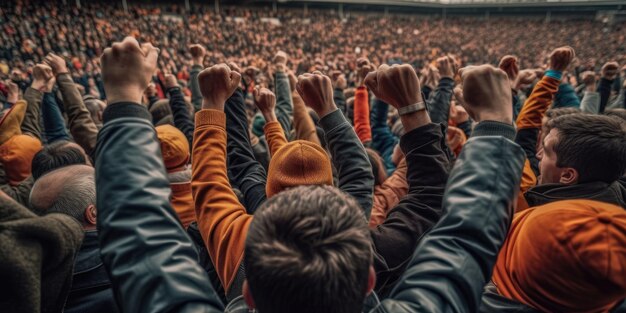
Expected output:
(70, 190)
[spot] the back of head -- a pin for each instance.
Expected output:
(566, 256)
(16, 154)
(56, 155)
(298, 163)
(174, 147)
(68, 190)
(308, 250)
(161, 112)
(621, 113)
(594, 145)
(96, 108)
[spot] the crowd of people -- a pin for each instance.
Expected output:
(193, 162)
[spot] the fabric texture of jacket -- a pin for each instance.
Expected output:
(566, 97)
(32, 124)
(383, 140)
(91, 287)
(388, 194)
(590, 102)
(82, 127)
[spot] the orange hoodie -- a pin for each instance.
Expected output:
(362, 115)
(531, 116)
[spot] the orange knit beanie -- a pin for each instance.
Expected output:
(174, 147)
(298, 163)
(17, 155)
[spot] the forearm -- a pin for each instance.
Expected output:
(53, 122)
(222, 220)
(302, 122)
(284, 104)
(82, 127)
(246, 172)
(439, 103)
(350, 159)
(362, 115)
(538, 103)
(196, 95)
(275, 136)
(604, 89)
(182, 116)
(340, 100)
(133, 197)
(590, 102)
(383, 140)
(31, 123)
(463, 264)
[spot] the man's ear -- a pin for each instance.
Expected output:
(91, 215)
(569, 176)
(247, 295)
(371, 280)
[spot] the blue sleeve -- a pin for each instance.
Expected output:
(53, 122)
(383, 140)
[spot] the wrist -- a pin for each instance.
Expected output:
(38, 85)
(211, 104)
(326, 110)
(552, 73)
(414, 120)
(269, 116)
(197, 61)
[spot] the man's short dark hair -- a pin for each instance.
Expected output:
(56, 155)
(308, 250)
(621, 113)
(594, 145)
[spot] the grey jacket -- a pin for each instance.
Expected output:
(153, 265)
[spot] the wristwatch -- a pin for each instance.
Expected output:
(412, 108)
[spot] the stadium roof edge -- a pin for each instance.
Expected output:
(470, 3)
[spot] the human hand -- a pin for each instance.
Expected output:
(560, 58)
(317, 92)
(280, 61)
(265, 100)
(487, 94)
(363, 68)
(508, 64)
(14, 91)
(43, 78)
(447, 67)
(57, 64)
(589, 79)
(524, 78)
(217, 84)
(127, 70)
(197, 54)
(458, 114)
(150, 90)
(610, 70)
(338, 80)
(170, 81)
(293, 81)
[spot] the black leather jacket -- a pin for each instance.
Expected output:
(153, 264)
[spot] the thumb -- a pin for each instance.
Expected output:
(235, 78)
(371, 82)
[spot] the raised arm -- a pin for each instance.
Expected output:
(43, 81)
(135, 219)
(454, 261)
(302, 122)
(439, 102)
(265, 100)
(53, 122)
(284, 104)
(82, 128)
(591, 98)
(609, 73)
(427, 173)
(222, 220)
(182, 116)
(348, 155)
(197, 58)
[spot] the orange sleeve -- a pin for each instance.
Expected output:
(302, 122)
(388, 195)
(222, 220)
(275, 136)
(362, 115)
(538, 103)
(528, 181)
(456, 139)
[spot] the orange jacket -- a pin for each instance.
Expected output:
(531, 116)
(388, 194)
(182, 202)
(362, 115)
(222, 220)
(275, 136)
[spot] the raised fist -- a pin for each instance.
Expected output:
(217, 84)
(363, 68)
(446, 66)
(43, 78)
(265, 100)
(487, 94)
(458, 114)
(150, 90)
(127, 69)
(57, 64)
(13, 91)
(317, 92)
(170, 81)
(610, 70)
(338, 80)
(509, 65)
(397, 85)
(560, 58)
(280, 61)
(524, 78)
(293, 81)
(197, 53)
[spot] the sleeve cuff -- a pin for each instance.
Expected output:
(211, 117)
(332, 120)
(493, 128)
(272, 126)
(446, 82)
(419, 137)
(125, 109)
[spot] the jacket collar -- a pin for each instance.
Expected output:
(614, 193)
(88, 256)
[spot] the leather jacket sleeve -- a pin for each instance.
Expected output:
(152, 263)
(452, 264)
